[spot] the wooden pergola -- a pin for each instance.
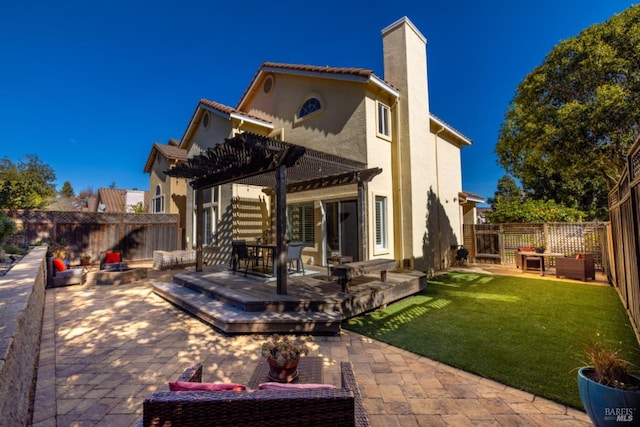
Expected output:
(252, 159)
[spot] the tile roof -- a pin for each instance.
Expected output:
(113, 200)
(361, 72)
(170, 150)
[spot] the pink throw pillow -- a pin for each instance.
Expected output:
(288, 386)
(193, 386)
(112, 257)
(59, 264)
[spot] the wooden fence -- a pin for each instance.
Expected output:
(136, 235)
(625, 234)
(498, 243)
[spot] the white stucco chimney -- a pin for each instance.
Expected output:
(405, 68)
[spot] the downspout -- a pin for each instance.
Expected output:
(440, 254)
(399, 232)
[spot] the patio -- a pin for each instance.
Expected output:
(104, 349)
(314, 304)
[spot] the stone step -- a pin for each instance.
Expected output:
(233, 320)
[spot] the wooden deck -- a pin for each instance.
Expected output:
(235, 304)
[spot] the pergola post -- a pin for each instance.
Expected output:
(281, 230)
(199, 228)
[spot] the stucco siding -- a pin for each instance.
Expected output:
(337, 129)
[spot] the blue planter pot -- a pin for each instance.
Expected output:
(608, 406)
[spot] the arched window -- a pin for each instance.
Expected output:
(310, 106)
(158, 201)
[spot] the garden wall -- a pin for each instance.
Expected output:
(22, 298)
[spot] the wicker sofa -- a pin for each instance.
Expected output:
(581, 268)
(320, 407)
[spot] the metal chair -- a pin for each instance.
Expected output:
(294, 253)
(242, 254)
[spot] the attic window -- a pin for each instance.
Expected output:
(206, 119)
(268, 84)
(310, 107)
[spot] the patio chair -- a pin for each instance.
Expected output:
(112, 260)
(60, 275)
(242, 254)
(294, 254)
(581, 267)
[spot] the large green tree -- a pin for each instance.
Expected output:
(511, 204)
(573, 118)
(27, 184)
(67, 190)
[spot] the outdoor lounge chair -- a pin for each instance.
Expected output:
(581, 267)
(308, 407)
(60, 275)
(112, 260)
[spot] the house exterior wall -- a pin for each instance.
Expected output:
(336, 130)
(173, 189)
(421, 167)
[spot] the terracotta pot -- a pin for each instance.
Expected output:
(285, 373)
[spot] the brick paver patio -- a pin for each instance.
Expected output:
(105, 348)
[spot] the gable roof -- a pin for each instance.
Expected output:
(339, 73)
(169, 150)
(113, 200)
(223, 111)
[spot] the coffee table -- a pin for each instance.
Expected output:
(309, 371)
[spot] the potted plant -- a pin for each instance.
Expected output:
(85, 259)
(610, 393)
(283, 355)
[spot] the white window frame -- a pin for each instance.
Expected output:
(380, 223)
(158, 201)
(383, 119)
(210, 217)
(301, 223)
(314, 113)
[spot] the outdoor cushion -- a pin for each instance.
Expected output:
(59, 264)
(288, 386)
(112, 257)
(579, 256)
(195, 386)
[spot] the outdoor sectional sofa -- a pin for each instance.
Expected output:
(309, 407)
(581, 267)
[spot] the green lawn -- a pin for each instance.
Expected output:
(524, 332)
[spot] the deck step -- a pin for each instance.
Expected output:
(233, 320)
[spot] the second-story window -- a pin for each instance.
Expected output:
(384, 120)
(158, 201)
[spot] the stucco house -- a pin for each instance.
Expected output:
(411, 209)
(168, 195)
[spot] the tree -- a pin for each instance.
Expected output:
(67, 190)
(507, 190)
(511, 204)
(530, 210)
(27, 184)
(573, 118)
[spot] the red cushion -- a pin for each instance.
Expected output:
(59, 264)
(287, 386)
(579, 256)
(525, 249)
(193, 386)
(112, 257)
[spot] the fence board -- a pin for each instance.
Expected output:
(136, 235)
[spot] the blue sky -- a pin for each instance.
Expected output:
(90, 86)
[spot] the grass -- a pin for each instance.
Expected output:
(523, 332)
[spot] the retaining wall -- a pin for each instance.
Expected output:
(22, 298)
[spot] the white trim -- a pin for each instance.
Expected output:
(439, 122)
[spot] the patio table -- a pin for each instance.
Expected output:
(267, 247)
(310, 371)
(541, 255)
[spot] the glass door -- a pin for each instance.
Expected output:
(342, 228)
